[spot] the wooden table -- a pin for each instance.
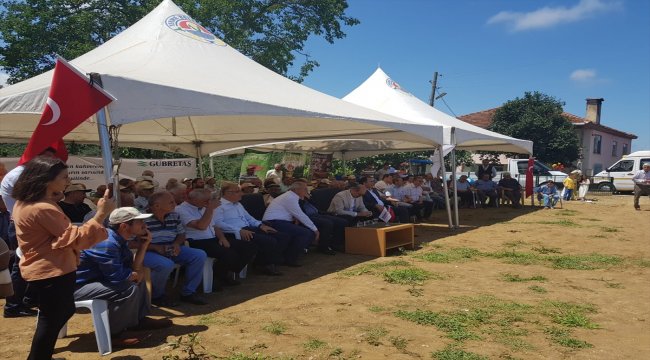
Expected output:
(374, 240)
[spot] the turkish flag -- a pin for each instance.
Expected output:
(71, 101)
(529, 176)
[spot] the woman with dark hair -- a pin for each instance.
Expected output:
(50, 246)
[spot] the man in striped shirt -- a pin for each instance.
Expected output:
(167, 249)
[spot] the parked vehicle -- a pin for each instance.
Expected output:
(618, 177)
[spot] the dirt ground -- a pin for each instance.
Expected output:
(510, 284)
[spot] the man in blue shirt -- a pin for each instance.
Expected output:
(549, 195)
(241, 227)
(109, 271)
(486, 189)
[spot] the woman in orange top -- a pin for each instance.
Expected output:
(50, 246)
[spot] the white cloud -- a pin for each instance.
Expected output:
(583, 75)
(547, 17)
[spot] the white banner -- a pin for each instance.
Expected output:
(90, 172)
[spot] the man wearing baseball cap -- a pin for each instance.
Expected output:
(109, 271)
(73, 205)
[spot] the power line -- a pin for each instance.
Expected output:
(447, 105)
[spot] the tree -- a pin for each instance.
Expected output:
(538, 117)
(271, 32)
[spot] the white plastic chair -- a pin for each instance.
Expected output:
(208, 276)
(99, 312)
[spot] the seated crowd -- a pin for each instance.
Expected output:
(257, 224)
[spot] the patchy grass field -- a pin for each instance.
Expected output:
(510, 284)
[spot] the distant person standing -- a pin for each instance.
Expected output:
(584, 187)
(641, 184)
(569, 186)
(486, 168)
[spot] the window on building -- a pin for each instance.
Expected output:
(625, 150)
(597, 142)
(614, 145)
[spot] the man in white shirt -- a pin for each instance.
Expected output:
(348, 204)
(641, 184)
(197, 215)
(241, 227)
(385, 183)
(275, 173)
(424, 207)
(281, 213)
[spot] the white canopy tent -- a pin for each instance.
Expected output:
(181, 89)
(379, 92)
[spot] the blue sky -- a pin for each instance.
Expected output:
(492, 51)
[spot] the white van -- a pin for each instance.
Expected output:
(618, 177)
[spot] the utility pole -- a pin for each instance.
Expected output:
(434, 87)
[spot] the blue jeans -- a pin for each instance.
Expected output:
(550, 200)
(567, 194)
(162, 266)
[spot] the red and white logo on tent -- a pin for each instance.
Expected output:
(184, 25)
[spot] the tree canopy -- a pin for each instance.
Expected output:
(538, 117)
(271, 32)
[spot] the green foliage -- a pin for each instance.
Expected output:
(410, 276)
(271, 32)
(563, 337)
(374, 334)
(451, 352)
(190, 348)
(450, 255)
(399, 342)
(516, 278)
(570, 314)
(355, 166)
(538, 117)
(275, 328)
(374, 268)
(538, 289)
(585, 262)
(314, 344)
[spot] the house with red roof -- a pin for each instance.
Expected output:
(601, 145)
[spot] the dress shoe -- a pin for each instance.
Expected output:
(193, 299)
(21, 312)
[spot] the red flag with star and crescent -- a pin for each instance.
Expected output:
(529, 176)
(72, 100)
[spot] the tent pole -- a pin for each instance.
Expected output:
(345, 170)
(444, 184)
(453, 176)
(199, 159)
(107, 156)
(211, 166)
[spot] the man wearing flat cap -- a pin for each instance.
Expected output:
(250, 176)
(109, 271)
(73, 205)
